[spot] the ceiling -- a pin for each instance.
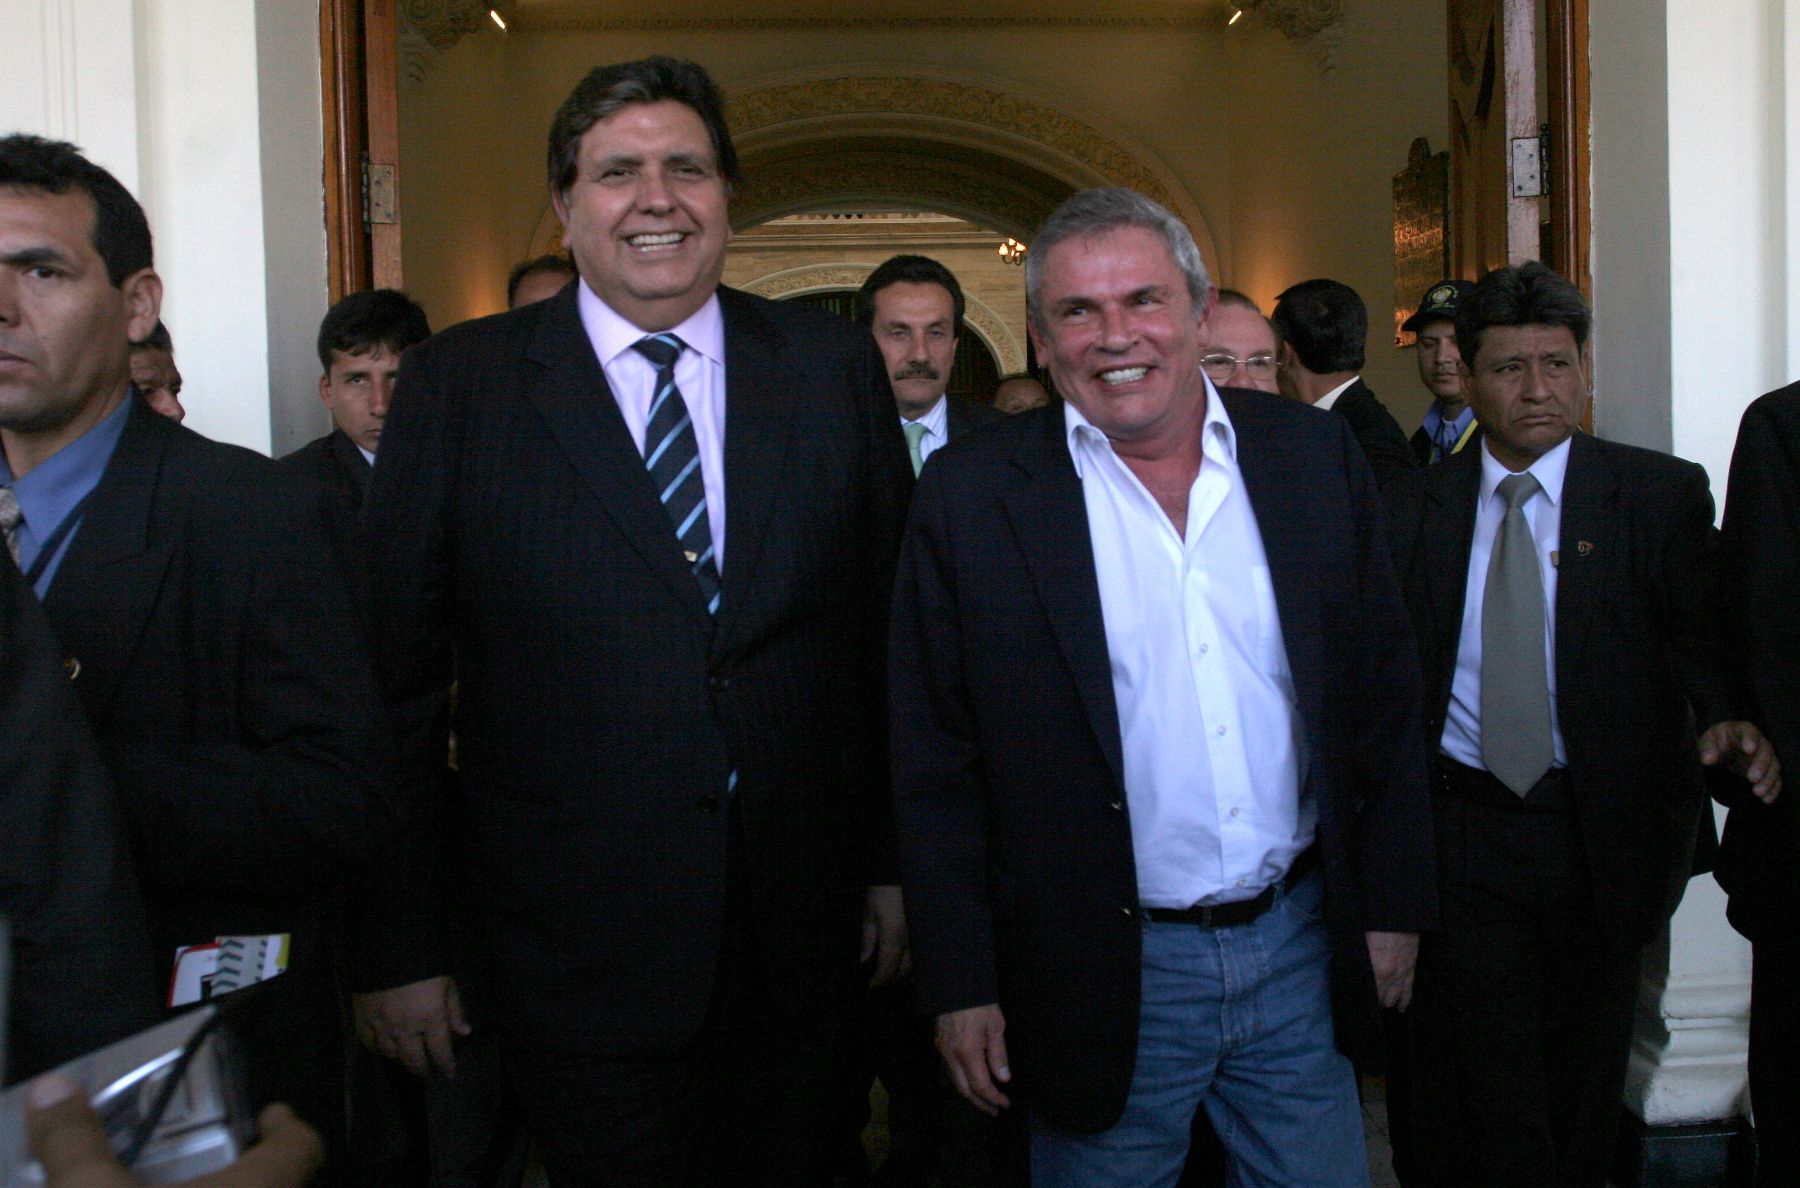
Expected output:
(546, 13)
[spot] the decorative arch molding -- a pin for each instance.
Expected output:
(978, 316)
(926, 108)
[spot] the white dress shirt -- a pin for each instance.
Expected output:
(937, 428)
(1462, 722)
(699, 373)
(1330, 398)
(1212, 741)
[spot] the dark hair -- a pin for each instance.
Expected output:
(363, 321)
(915, 270)
(1089, 212)
(1527, 294)
(121, 234)
(1327, 324)
(548, 262)
(606, 89)
(1241, 300)
(157, 340)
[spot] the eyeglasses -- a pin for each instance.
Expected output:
(1220, 366)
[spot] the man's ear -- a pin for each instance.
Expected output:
(325, 390)
(143, 291)
(562, 210)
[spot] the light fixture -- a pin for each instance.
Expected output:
(1236, 15)
(494, 15)
(1012, 251)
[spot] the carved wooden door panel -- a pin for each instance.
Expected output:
(1493, 101)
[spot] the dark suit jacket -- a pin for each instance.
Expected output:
(223, 678)
(80, 974)
(962, 416)
(334, 462)
(1639, 651)
(1376, 432)
(1759, 859)
(1020, 882)
(514, 528)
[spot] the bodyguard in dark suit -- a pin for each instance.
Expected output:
(79, 958)
(192, 592)
(1449, 424)
(913, 306)
(1759, 858)
(1323, 327)
(1565, 597)
(1064, 860)
(651, 523)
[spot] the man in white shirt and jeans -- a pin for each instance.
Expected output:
(1187, 875)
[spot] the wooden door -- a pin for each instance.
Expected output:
(1494, 208)
(359, 44)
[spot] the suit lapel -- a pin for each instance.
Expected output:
(759, 417)
(1448, 533)
(570, 392)
(351, 464)
(1584, 549)
(107, 584)
(1273, 472)
(1049, 519)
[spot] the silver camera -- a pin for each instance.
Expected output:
(171, 1100)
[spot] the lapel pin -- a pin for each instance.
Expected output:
(691, 555)
(72, 666)
(1584, 547)
(1555, 559)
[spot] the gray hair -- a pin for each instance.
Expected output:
(1088, 212)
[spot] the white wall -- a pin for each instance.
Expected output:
(208, 110)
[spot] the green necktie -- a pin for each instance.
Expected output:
(1515, 691)
(915, 433)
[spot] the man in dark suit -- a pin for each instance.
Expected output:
(913, 306)
(192, 592)
(79, 959)
(1323, 326)
(1449, 423)
(1145, 891)
(1565, 597)
(361, 340)
(651, 522)
(1759, 858)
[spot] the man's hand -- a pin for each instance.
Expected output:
(974, 1051)
(1741, 747)
(412, 1024)
(884, 935)
(67, 1139)
(1394, 954)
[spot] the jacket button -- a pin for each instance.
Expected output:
(717, 683)
(1127, 912)
(72, 666)
(707, 804)
(1117, 806)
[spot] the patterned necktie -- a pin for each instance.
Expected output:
(11, 516)
(1515, 692)
(1445, 443)
(915, 433)
(672, 455)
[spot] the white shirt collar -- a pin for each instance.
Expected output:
(1330, 398)
(612, 335)
(1216, 431)
(936, 419)
(1548, 469)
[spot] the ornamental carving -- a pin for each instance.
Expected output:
(810, 183)
(574, 23)
(1001, 342)
(1300, 20)
(429, 28)
(992, 111)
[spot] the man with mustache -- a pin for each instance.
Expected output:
(915, 308)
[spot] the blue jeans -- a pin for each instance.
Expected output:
(1237, 1020)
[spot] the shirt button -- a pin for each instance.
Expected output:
(718, 684)
(1220, 732)
(1240, 882)
(1234, 812)
(1203, 649)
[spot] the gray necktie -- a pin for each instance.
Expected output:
(11, 515)
(1515, 693)
(915, 433)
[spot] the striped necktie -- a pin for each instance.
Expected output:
(672, 455)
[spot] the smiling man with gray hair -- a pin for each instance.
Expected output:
(1148, 895)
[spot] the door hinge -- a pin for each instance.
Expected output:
(1530, 158)
(378, 193)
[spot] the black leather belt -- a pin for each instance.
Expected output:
(1230, 915)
